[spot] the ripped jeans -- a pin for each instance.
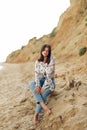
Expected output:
(40, 97)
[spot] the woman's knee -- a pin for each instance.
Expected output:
(46, 93)
(32, 84)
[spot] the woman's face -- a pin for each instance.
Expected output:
(45, 52)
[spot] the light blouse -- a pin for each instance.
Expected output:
(45, 70)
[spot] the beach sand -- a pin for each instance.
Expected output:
(68, 103)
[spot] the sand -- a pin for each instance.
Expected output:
(68, 103)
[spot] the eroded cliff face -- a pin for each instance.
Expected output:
(66, 39)
(29, 52)
(80, 2)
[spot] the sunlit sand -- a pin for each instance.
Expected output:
(1, 67)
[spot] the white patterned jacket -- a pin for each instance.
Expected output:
(45, 70)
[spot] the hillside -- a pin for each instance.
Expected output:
(67, 38)
(69, 101)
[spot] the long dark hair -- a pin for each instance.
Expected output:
(49, 54)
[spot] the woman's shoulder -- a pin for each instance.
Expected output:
(53, 58)
(37, 62)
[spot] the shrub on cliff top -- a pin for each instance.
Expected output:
(82, 51)
(53, 33)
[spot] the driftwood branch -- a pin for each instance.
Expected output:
(70, 81)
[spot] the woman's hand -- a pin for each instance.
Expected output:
(42, 90)
(37, 89)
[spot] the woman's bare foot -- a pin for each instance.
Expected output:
(35, 118)
(48, 112)
(46, 109)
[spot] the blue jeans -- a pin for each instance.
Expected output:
(40, 97)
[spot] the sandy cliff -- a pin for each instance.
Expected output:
(66, 39)
(69, 102)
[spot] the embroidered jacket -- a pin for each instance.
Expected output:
(45, 70)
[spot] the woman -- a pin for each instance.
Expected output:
(44, 80)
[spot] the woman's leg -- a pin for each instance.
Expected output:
(36, 118)
(37, 96)
(44, 96)
(40, 99)
(46, 93)
(41, 105)
(45, 108)
(32, 86)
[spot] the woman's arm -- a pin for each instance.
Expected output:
(50, 70)
(37, 73)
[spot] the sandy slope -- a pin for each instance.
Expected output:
(13, 96)
(69, 106)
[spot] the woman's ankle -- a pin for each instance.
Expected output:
(48, 112)
(45, 108)
(36, 118)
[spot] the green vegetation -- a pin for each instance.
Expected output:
(86, 19)
(12, 54)
(82, 51)
(85, 24)
(59, 42)
(63, 47)
(53, 33)
(79, 33)
(22, 47)
(77, 20)
(85, 7)
(34, 42)
(33, 52)
(81, 12)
